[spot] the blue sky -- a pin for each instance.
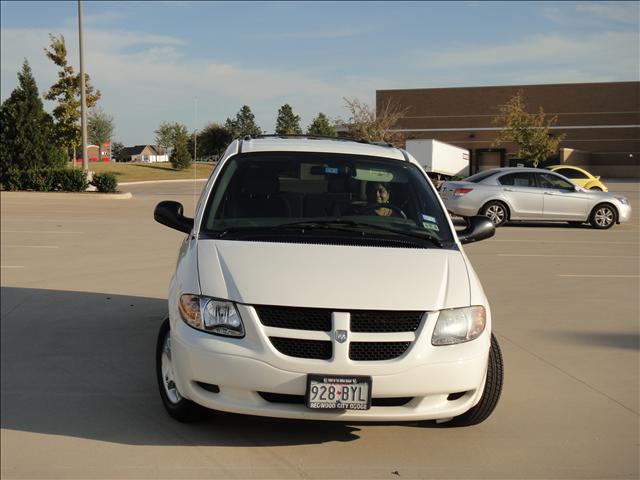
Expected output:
(155, 61)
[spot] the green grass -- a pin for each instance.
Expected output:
(140, 172)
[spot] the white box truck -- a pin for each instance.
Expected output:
(439, 158)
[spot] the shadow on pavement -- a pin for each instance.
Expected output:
(624, 341)
(82, 365)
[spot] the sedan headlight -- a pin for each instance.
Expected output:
(219, 317)
(458, 325)
(622, 200)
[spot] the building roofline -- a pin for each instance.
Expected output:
(625, 82)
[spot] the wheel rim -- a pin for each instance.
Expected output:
(604, 217)
(496, 214)
(168, 376)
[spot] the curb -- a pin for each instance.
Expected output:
(83, 195)
(164, 181)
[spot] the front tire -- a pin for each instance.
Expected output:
(176, 405)
(491, 393)
(497, 212)
(596, 189)
(603, 216)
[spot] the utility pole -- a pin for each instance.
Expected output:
(83, 100)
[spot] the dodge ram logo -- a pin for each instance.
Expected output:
(341, 336)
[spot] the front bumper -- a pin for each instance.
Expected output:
(624, 212)
(241, 368)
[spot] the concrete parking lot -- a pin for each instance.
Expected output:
(84, 291)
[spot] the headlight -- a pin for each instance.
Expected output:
(458, 325)
(622, 200)
(210, 315)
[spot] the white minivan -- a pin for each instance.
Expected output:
(323, 279)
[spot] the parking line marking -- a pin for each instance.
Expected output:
(570, 256)
(599, 276)
(30, 246)
(11, 266)
(37, 231)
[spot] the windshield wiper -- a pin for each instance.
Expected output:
(350, 225)
(341, 225)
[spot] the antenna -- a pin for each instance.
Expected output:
(195, 163)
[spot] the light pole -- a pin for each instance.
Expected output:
(83, 100)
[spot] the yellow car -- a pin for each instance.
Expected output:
(580, 177)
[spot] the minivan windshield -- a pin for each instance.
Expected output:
(290, 193)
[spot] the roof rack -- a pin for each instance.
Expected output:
(318, 137)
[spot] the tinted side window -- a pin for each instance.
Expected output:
(521, 179)
(571, 173)
(478, 177)
(553, 181)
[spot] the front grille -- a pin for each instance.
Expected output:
(299, 399)
(376, 351)
(382, 321)
(295, 318)
(295, 347)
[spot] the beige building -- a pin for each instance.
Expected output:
(601, 121)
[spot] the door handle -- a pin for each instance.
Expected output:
(508, 189)
(549, 193)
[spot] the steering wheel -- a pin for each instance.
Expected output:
(374, 206)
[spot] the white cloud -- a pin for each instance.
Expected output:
(611, 55)
(146, 79)
(343, 32)
(625, 12)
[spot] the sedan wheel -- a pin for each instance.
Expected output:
(603, 216)
(596, 189)
(496, 212)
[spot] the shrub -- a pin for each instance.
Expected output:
(40, 180)
(105, 182)
(10, 179)
(72, 180)
(45, 180)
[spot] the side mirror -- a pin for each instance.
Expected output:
(170, 214)
(478, 228)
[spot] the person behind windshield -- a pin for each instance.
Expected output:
(379, 193)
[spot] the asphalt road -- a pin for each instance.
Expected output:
(83, 293)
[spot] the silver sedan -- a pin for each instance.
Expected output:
(532, 194)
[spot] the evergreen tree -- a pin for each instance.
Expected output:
(66, 91)
(180, 156)
(168, 133)
(27, 139)
(322, 126)
(116, 151)
(243, 124)
(287, 122)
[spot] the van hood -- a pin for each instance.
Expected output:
(333, 276)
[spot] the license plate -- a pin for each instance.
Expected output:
(336, 392)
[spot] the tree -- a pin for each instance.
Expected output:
(212, 141)
(116, 151)
(168, 133)
(27, 139)
(321, 126)
(180, 156)
(530, 131)
(100, 126)
(287, 122)
(243, 124)
(367, 124)
(66, 91)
